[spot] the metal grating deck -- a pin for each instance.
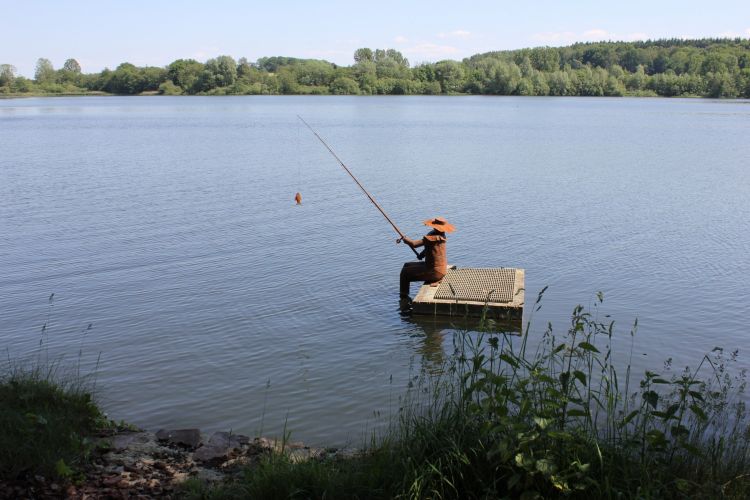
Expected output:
(479, 285)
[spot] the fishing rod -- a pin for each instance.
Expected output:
(358, 183)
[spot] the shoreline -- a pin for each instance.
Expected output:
(156, 94)
(132, 463)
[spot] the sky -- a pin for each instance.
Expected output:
(154, 33)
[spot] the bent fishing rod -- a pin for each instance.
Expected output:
(358, 183)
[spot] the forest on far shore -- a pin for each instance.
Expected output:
(669, 68)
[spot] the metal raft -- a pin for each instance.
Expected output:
(468, 291)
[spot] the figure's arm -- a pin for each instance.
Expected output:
(412, 243)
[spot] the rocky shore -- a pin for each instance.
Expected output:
(144, 465)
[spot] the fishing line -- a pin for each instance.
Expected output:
(357, 181)
(297, 195)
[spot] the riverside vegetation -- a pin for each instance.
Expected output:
(48, 415)
(502, 418)
(670, 67)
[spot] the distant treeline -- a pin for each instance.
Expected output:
(706, 67)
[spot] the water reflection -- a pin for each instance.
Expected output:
(437, 334)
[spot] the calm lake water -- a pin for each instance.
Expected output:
(168, 223)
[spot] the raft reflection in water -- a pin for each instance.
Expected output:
(435, 330)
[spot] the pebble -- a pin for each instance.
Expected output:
(148, 468)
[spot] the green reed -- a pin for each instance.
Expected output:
(48, 414)
(559, 418)
(562, 420)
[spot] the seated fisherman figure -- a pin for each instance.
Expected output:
(434, 254)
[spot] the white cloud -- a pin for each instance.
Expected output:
(400, 39)
(554, 37)
(455, 34)
(594, 34)
(430, 50)
(597, 33)
(735, 34)
(205, 53)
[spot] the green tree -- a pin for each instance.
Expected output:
(450, 75)
(708, 67)
(287, 81)
(344, 85)
(152, 77)
(391, 64)
(600, 55)
(721, 85)
(70, 72)
(366, 75)
(743, 82)
(545, 59)
(431, 88)
(559, 84)
(313, 72)
(245, 70)
(184, 73)
(125, 79)
(527, 69)
(424, 72)
(249, 74)
(223, 71)
(507, 77)
(525, 87)
(72, 66)
(363, 55)
(630, 60)
(169, 88)
(272, 64)
(591, 82)
(45, 72)
(7, 74)
(713, 63)
(539, 81)
(21, 84)
(638, 80)
(614, 87)
(481, 77)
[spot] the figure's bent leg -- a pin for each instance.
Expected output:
(404, 282)
(412, 271)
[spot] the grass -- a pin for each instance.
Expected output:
(559, 419)
(47, 414)
(47, 419)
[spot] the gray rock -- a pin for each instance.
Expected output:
(297, 445)
(227, 440)
(299, 455)
(185, 437)
(122, 441)
(264, 443)
(347, 453)
(210, 452)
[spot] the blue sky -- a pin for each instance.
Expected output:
(105, 33)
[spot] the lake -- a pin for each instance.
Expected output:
(168, 224)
